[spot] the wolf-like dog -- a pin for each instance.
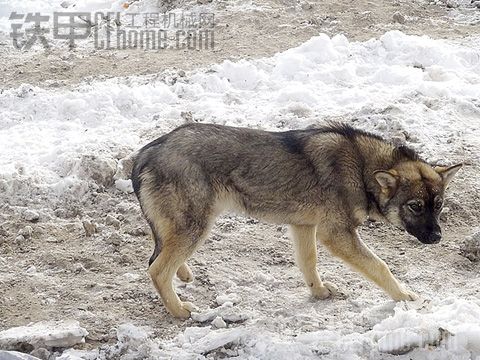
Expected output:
(322, 182)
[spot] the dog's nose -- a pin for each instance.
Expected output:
(435, 237)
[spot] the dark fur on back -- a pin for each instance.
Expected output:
(351, 133)
(293, 140)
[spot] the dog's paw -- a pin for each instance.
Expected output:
(327, 290)
(406, 295)
(184, 311)
(184, 273)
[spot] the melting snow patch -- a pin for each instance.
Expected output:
(448, 329)
(14, 355)
(46, 334)
(233, 298)
(452, 325)
(226, 311)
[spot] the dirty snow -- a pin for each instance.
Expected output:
(443, 329)
(44, 334)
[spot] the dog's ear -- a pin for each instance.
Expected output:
(387, 179)
(447, 173)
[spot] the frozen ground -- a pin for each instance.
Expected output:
(61, 179)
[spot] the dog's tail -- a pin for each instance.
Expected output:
(141, 160)
(158, 244)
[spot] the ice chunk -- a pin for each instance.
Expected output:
(47, 334)
(233, 298)
(124, 185)
(14, 355)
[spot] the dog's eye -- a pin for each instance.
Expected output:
(438, 205)
(415, 207)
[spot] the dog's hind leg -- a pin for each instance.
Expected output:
(304, 240)
(178, 245)
(347, 245)
(184, 273)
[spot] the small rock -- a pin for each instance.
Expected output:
(20, 239)
(26, 232)
(136, 231)
(126, 259)
(31, 269)
(90, 227)
(66, 213)
(31, 215)
(470, 248)
(187, 116)
(219, 323)
(101, 170)
(444, 213)
(111, 220)
(114, 239)
(78, 268)
(3, 232)
(399, 18)
(53, 240)
(451, 4)
(307, 6)
(60, 213)
(41, 353)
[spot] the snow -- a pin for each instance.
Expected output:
(46, 334)
(442, 329)
(15, 355)
(232, 298)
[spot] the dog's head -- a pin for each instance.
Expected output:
(411, 197)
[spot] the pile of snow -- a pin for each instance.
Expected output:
(44, 334)
(448, 329)
(64, 142)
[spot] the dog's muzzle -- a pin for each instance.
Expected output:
(430, 238)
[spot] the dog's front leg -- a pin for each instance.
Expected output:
(347, 245)
(306, 257)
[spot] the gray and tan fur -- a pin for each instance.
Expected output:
(323, 182)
